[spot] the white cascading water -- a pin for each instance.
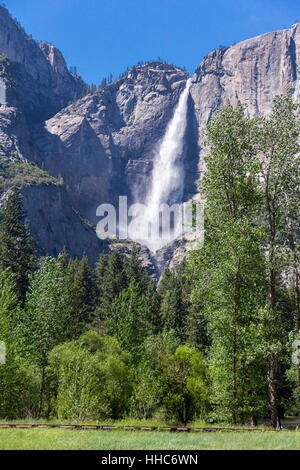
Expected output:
(167, 178)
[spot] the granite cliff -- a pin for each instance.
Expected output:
(92, 146)
(251, 72)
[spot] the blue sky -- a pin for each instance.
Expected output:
(107, 36)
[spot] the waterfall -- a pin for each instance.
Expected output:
(167, 182)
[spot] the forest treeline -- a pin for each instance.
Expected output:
(216, 339)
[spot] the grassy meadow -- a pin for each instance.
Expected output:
(65, 439)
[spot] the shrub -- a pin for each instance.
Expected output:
(19, 387)
(186, 390)
(93, 378)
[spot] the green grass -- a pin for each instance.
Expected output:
(156, 421)
(16, 173)
(64, 439)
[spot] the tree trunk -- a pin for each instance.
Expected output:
(275, 420)
(234, 364)
(272, 368)
(42, 391)
(296, 289)
(253, 421)
(234, 378)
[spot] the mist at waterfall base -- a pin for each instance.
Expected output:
(159, 220)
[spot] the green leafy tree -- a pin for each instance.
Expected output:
(229, 271)
(186, 391)
(93, 378)
(127, 320)
(19, 386)
(149, 383)
(147, 392)
(231, 284)
(19, 380)
(278, 142)
(50, 316)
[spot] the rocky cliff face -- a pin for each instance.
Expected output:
(252, 72)
(35, 84)
(41, 82)
(102, 145)
(55, 224)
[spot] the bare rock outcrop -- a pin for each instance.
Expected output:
(42, 82)
(103, 144)
(251, 72)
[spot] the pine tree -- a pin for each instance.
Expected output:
(173, 314)
(134, 271)
(8, 307)
(16, 250)
(152, 307)
(85, 285)
(110, 281)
